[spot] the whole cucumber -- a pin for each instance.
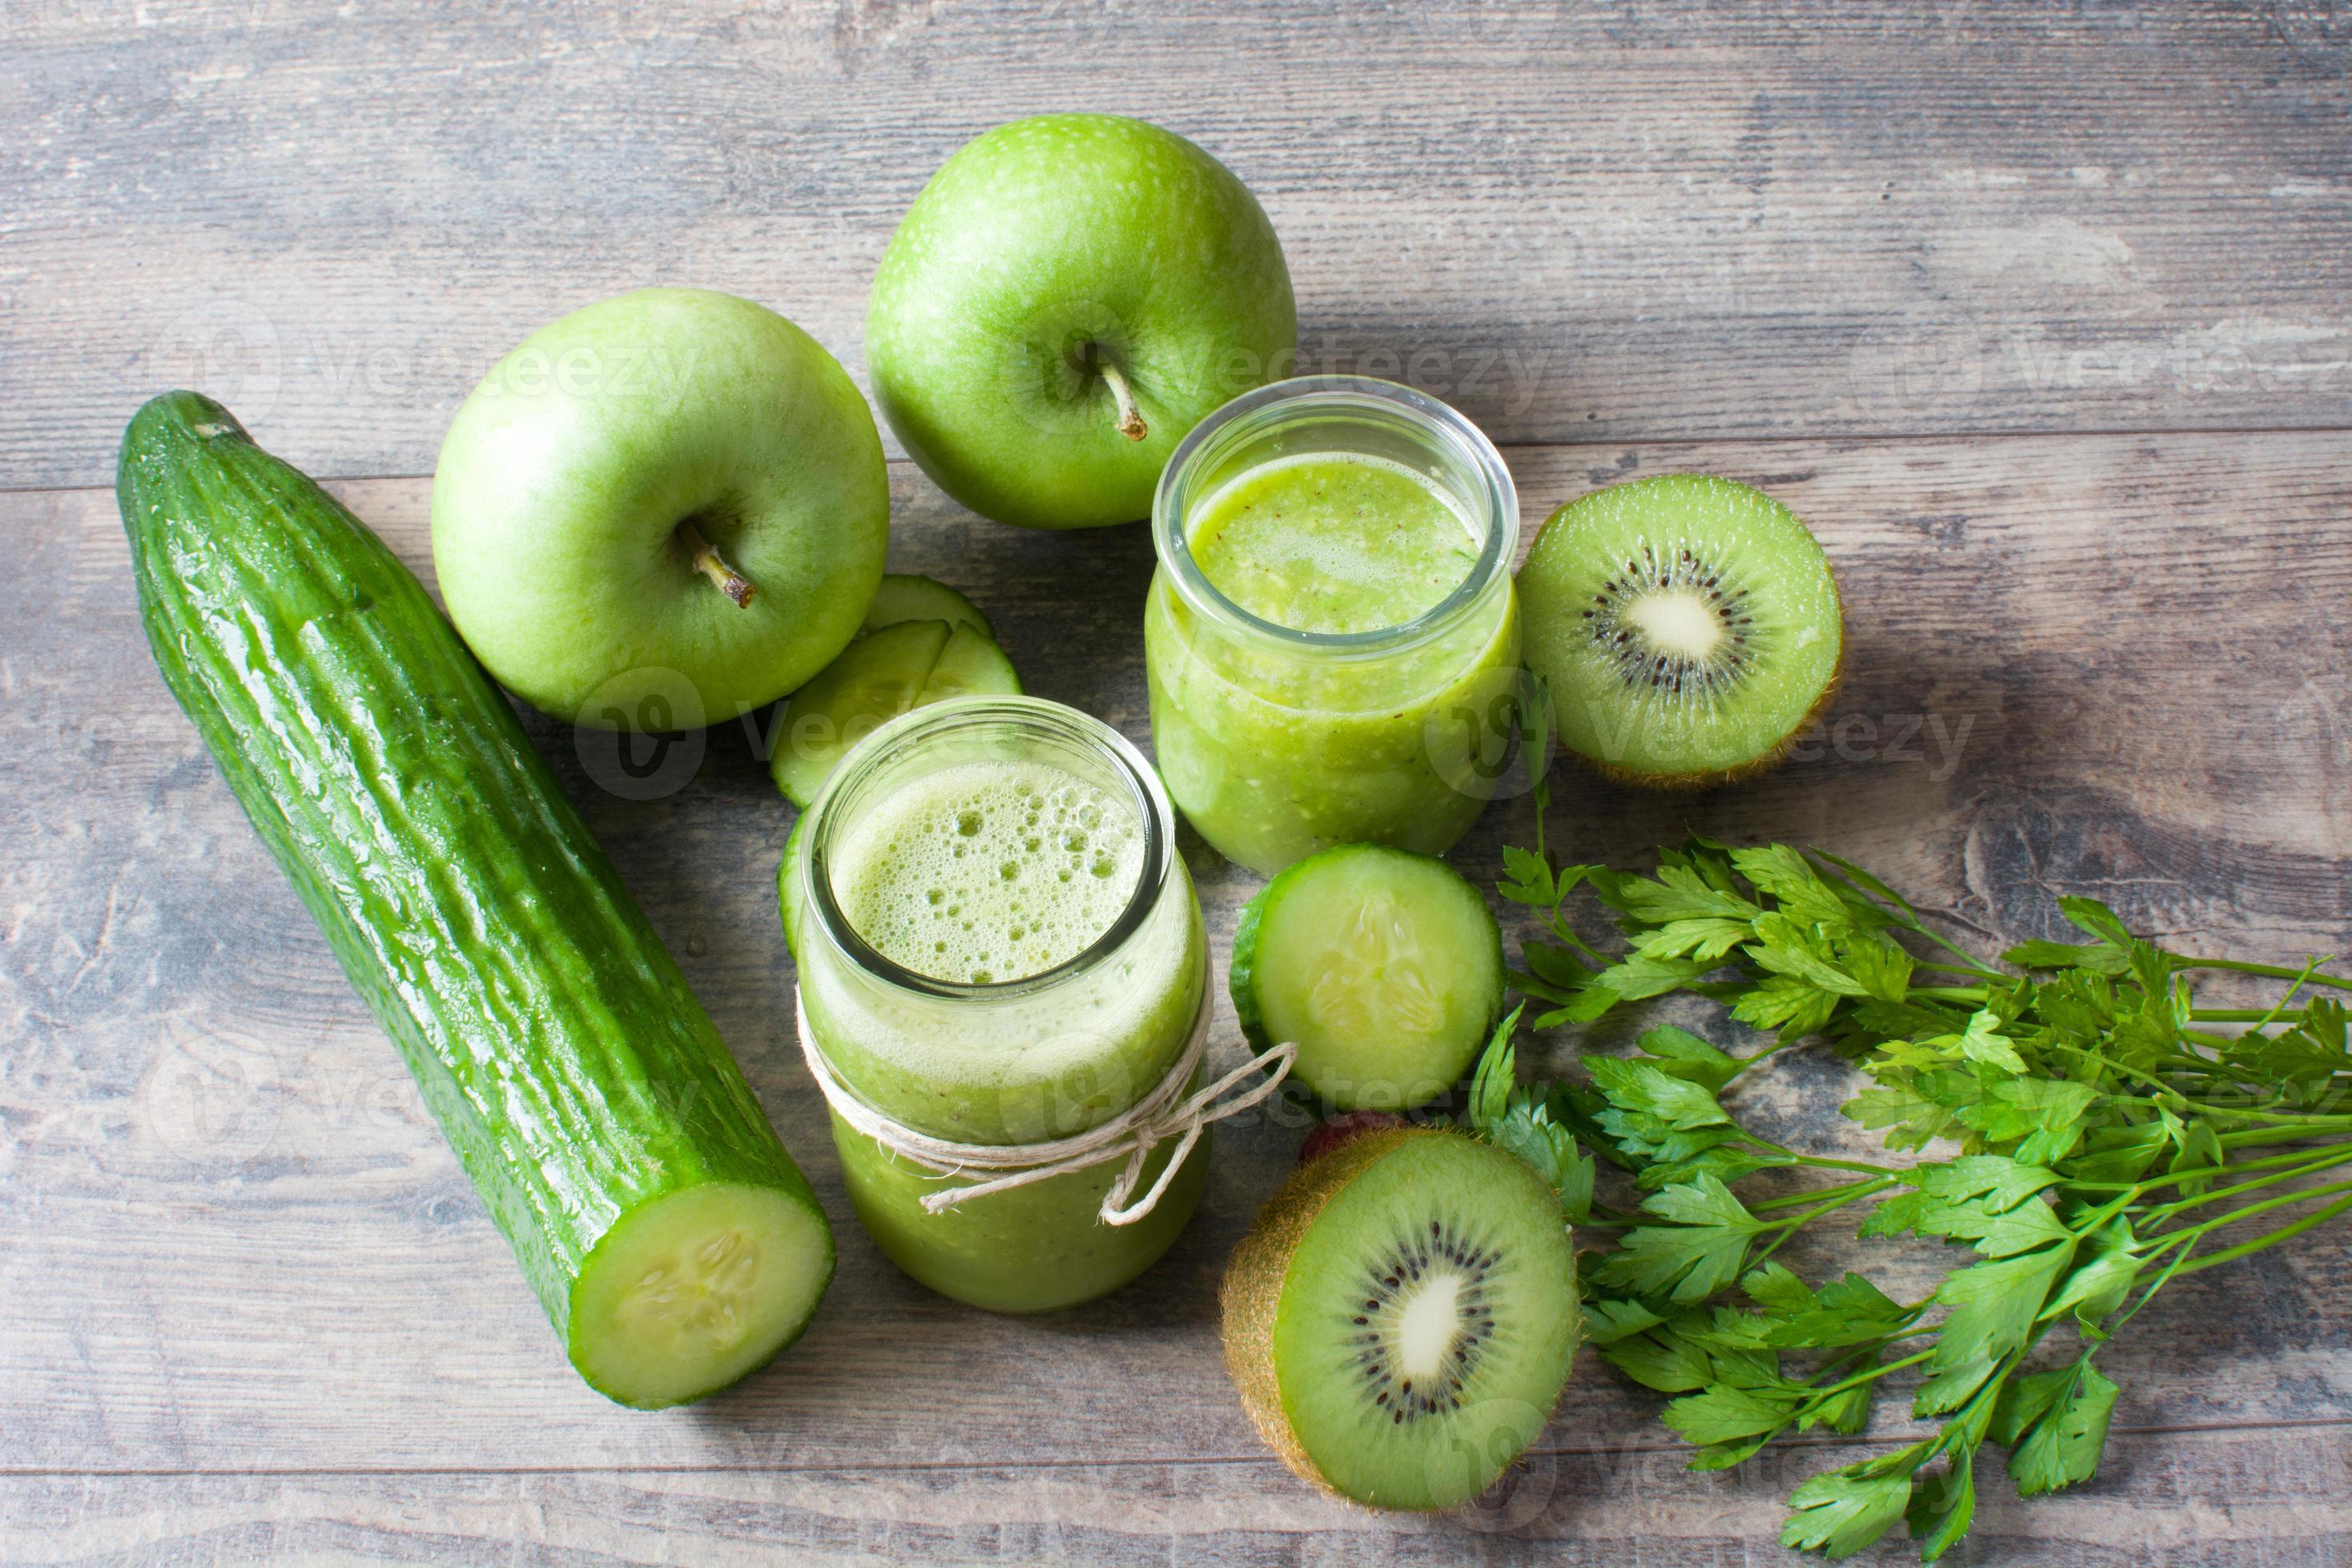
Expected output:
(672, 1241)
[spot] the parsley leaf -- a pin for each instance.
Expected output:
(1520, 1122)
(2054, 1425)
(1723, 1414)
(1697, 1252)
(2068, 1125)
(1789, 880)
(1839, 1512)
(1994, 1305)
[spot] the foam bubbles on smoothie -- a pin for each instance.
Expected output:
(986, 872)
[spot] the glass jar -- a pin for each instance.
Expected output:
(1016, 1061)
(1276, 742)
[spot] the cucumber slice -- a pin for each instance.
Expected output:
(1384, 966)
(903, 596)
(690, 1291)
(972, 665)
(876, 679)
(786, 905)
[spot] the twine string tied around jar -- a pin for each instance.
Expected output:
(1166, 1112)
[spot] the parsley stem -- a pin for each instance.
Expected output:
(2285, 1132)
(2324, 1161)
(1797, 1221)
(2103, 1214)
(2268, 971)
(2287, 1119)
(1790, 1200)
(2269, 1239)
(1818, 1161)
(1560, 929)
(1971, 964)
(1928, 966)
(2126, 1070)
(1823, 1162)
(2300, 1195)
(1751, 1059)
(2115, 1326)
(2215, 1107)
(1861, 1189)
(1870, 1373)
(2205, 1067)
(2197, 1172)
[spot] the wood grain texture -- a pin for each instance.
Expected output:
(1606, 221)
(1603, 1506)
(234, 1242)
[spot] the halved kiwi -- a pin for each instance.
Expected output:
(1403, 1316)
(1686, 628)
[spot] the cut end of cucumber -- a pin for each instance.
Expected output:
(697, 1288)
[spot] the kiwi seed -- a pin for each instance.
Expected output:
(1444, 1260)
(1673, 626)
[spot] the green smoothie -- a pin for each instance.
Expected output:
(1332, 544)
(1277, 746)
(1000, 876)
(985, 871)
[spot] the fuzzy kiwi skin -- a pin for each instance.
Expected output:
(1251, 1295)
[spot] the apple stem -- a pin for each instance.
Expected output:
(711, 565)
(1130, 419)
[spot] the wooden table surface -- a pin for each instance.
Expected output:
(2041, 313)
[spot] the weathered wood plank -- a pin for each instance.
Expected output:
(232, 1239)
(1578, 222)
(2169, 1499)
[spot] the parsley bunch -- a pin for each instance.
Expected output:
(2104, 1135)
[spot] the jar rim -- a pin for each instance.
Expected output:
(1267, 406)
(973, 716)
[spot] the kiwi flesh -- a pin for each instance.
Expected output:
(1687, 630)
(1401, 1319)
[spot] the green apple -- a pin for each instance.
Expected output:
(670, 500)
(1065, 299)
